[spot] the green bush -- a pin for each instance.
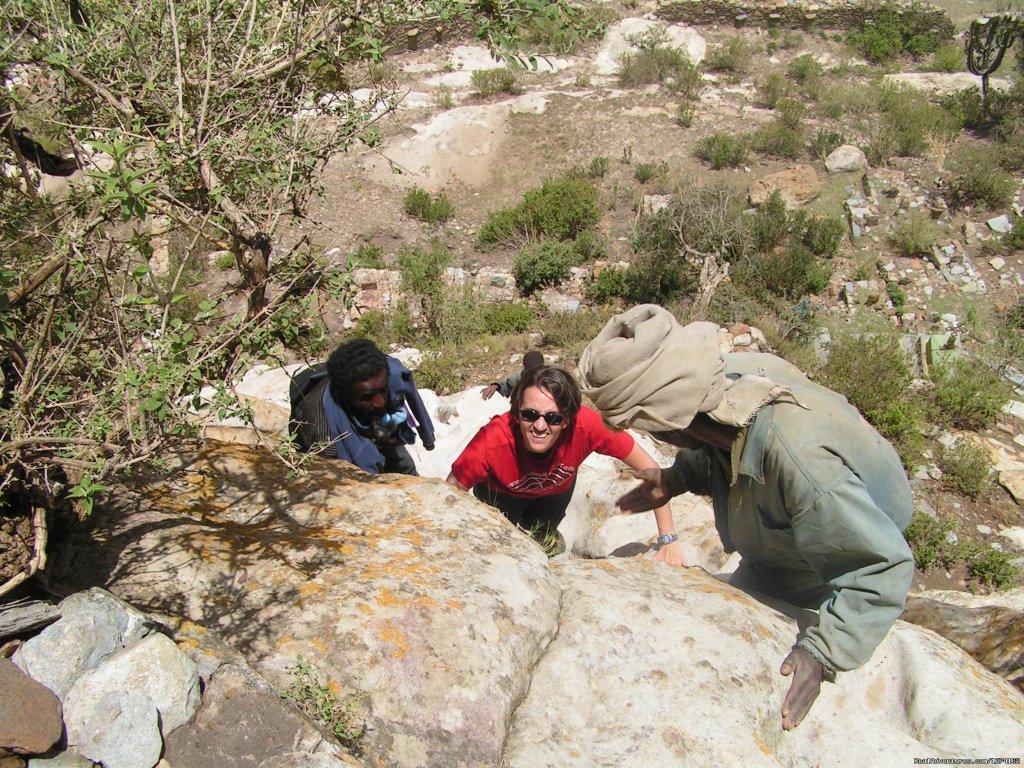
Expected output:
(825, 142)
(440, 371)
(948, 58)
(769, 226)
(722, 150)
(967, 107)
(368, 255)
(932, 542)
(421, 205)
(644, 172)
(658, 63)
(543, 263)
(791, 274)
(598, 168)
(1010, 132)
(914, 235)
(806, 71)
(423, 279)
(822, 235)
(1014, 239)
(992, 568)
(896, 294)
(893, 31)
(968, 395)
(771, 89)
(560, 209)
(685, 112)
(225, 260)
(775, 140)
(571, 331)
(791, 39)
(966, 468)
(873, 373)
(507, 318)
(973, 176)
(490, 82)
(610, 284)
(914, 120)
(735, 56)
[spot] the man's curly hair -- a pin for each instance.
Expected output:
(351, 363)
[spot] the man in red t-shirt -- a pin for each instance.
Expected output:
(525, 462)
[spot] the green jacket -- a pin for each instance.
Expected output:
(815, 501)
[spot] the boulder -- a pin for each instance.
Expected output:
(845, 159)
(797, 185)
(30, 714)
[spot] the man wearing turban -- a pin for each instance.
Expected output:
(809, 494)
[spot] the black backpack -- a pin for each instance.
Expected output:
(302, 383)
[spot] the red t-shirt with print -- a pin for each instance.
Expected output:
(496, 457)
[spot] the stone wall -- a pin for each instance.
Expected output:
(823, 14)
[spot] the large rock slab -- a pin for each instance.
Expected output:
(401, 588)
(660, 666)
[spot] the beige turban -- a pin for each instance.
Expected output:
(647, 371)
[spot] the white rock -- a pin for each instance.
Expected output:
(845, 159)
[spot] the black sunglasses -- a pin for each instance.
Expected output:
(553, 419)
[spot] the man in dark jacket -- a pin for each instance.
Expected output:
(365, 411)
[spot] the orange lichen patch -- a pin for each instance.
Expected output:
(188, 642)
(282, 641)
(388, 599)
(458, 605)
(763, 631)
(366, 608)
(723, 590)
(876, 694)
(761, 744)
(607, 565)
(190, 626)
(392, 635)
(319, 644)
(334, 686)
(747, 636)
(310, 588)
(410, 567)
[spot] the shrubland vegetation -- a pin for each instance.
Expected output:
(202, 130)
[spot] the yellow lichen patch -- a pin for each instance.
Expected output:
(282, 641)
(761, 744)
(319, 644)
(366, 608)
(723, 590)
(763, 631)
(310, 588)
(392, 635)
(747, 636)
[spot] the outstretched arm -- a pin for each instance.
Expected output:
(452, 481)
(640, 462)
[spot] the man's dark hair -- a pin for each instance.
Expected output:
(351, 363)
(533, 359)
(557, 382)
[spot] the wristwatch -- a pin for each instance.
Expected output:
(667, 538)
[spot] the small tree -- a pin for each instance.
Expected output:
(987, 43)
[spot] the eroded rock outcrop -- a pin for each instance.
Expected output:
(472, 649)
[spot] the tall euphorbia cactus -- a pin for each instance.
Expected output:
(987, 42)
